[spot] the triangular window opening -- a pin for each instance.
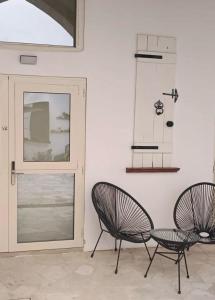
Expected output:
(44, 22)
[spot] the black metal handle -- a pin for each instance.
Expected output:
(153, 56)
(145, 147)
(174, 94)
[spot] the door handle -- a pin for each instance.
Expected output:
(174, 94)
(14, 173)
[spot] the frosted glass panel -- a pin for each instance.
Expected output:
(46, 127)
(44, 22)
(45, 209)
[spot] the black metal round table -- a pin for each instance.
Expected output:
(176, 241)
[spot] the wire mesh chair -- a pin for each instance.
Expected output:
(195, 211)
(121, 216)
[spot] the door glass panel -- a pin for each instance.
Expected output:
(46, 127)
(45, 209)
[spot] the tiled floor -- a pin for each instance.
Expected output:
(71, 275)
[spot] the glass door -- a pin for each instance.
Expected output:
(46, 162)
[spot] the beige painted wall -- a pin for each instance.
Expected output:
(109, 65)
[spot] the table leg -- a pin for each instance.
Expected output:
(151, 261)
(179, 275)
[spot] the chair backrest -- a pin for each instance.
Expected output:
(118, 210)
(195, 208)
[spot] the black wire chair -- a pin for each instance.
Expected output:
(195, 211)
(121, 216)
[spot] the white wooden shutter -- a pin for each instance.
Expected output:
(155, 75)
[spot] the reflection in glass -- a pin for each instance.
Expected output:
(52, 23)
(46, 127)
(45, 207)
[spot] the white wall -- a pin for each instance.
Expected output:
(109, 65)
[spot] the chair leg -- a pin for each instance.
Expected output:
(151, 261)
(181, 255)
(185, 260)
(179, 275)
(115, 245)
(148, 251)
(96, 244)
(116, 270)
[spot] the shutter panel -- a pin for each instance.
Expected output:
(155, 75)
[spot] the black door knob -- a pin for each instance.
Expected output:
(169, 123)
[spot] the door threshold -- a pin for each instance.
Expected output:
(40, 252)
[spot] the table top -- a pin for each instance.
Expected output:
(175, 236)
